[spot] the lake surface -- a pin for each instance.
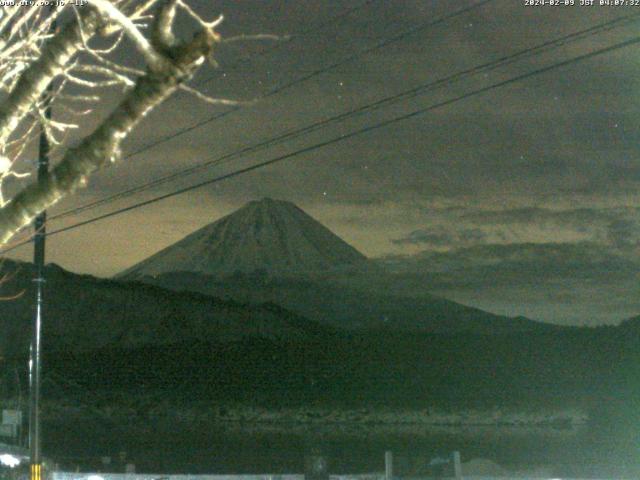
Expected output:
(264, 448)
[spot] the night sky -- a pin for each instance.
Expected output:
(522, 200)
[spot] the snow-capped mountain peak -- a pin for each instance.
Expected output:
(270, 236)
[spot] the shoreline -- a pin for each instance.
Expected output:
(426, 422)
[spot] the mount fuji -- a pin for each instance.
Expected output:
(266, 236)
(270, 251)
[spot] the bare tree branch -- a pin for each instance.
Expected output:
(178, 64)
(55, 55)
(108, 10)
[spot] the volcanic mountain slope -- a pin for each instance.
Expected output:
(347, 303)
(271, 251)
(86, 313)
(271, 236)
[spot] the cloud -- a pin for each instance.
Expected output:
(548, 260)
(442, 238)
(623, 233)
(532, 262)
(617, 228)
(575, 283)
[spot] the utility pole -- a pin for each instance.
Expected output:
(35, 453)
(35, 360)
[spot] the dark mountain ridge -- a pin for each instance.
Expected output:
(354, 303)
(85, 313)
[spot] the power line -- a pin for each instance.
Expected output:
(317, 72)
(321, 27)
(500, 62)
(279, 89)
(311, 30)
(350, 135)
